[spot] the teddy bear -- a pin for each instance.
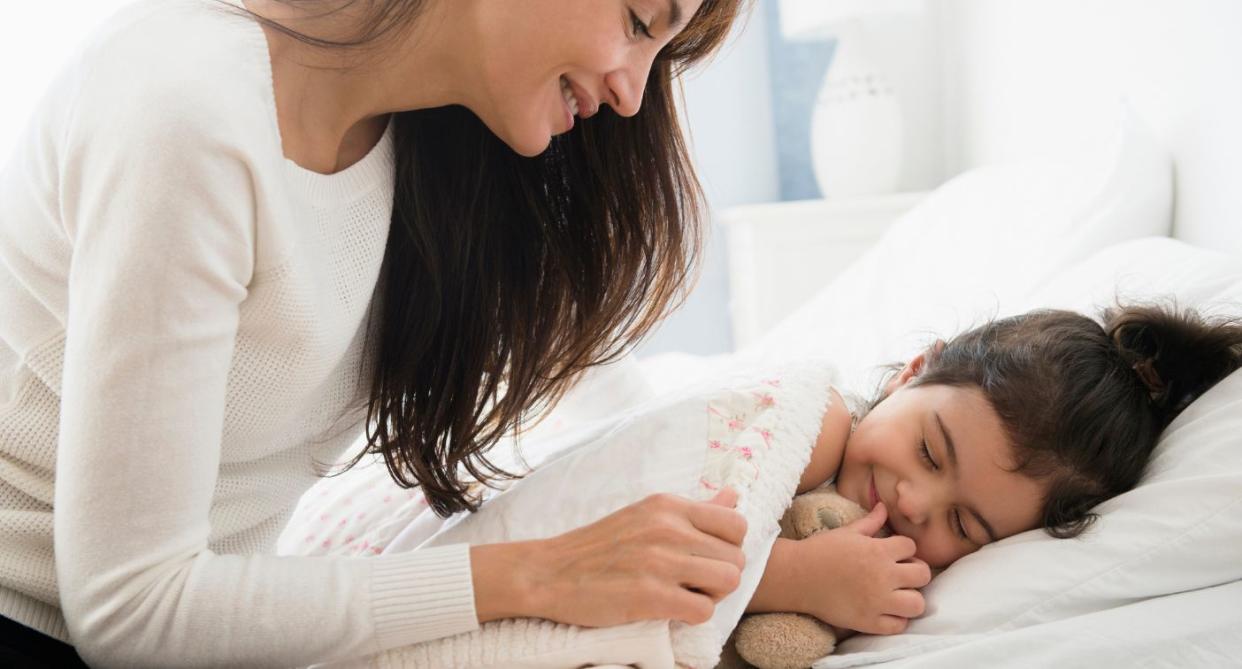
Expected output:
(793, 640)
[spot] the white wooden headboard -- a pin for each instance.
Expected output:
(1027, 77)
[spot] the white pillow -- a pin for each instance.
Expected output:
(976, 247)
(1180, 530)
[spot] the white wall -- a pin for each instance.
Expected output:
(729, 116)
(36, 38)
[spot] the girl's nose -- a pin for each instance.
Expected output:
(910, 504)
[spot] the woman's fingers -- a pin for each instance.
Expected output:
(713, 578)
(689, 607)
(718, 521)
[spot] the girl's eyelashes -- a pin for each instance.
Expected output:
(925, 453)
(639, 27)
(956, 522)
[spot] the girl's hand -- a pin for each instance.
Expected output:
(851, 579)
(664, 557)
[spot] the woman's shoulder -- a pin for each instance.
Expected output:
(187, 66)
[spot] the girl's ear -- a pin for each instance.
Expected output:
(914, 367)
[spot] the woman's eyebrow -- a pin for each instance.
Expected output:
(952, 450)
(675, 14)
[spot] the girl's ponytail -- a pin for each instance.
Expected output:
(1176, 355)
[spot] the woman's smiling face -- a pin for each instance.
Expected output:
(541, 58)
(939, 458)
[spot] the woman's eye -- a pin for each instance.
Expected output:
(638, 26)
(926, 455)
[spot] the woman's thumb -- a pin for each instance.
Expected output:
(727, 497)
(871, 523)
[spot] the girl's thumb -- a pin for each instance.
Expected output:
(871, 523)
(727, 497)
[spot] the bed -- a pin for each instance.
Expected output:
(1097, 144)
(1105, 130)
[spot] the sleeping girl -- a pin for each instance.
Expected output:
(1022, 423)
(1025, 422)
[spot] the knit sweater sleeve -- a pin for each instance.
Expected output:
(157, 199)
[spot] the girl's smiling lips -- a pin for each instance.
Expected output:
(873, 496)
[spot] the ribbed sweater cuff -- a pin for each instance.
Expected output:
(422, 595)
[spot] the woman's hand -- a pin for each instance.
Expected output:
(662, 557)
(847, 578)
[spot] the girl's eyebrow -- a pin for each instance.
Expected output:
(948, 443)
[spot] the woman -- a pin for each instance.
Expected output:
(237, 233)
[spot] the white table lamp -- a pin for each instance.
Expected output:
(856, 126)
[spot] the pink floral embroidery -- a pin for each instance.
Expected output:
(775, 383)
(746, 452)
(327, 543)
(765, 400)
(736, 425)
(707, 484)
(712, 410)
(714, 444)
(766, 435)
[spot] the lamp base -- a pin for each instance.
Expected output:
(856, 127)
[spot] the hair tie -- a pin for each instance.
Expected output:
(1147, 374)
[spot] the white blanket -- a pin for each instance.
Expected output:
(753, 432)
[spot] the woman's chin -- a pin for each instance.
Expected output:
(529, 144)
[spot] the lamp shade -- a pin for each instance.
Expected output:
(814, 19)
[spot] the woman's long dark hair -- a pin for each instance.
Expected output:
(1084, 402)
(505, 277)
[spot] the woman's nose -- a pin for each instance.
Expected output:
(625, 87)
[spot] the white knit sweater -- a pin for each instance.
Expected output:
(181, 320)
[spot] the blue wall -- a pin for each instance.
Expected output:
(797, 69)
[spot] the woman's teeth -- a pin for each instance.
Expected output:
(568, 93)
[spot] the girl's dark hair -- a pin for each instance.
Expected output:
(1083, 403)
(506, 277)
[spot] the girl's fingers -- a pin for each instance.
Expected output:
(913, 573)
(900, 548)
(907, 603)
(871, 523)
(885, 624)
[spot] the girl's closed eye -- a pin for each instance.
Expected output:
(955, 516)
(925, 453)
